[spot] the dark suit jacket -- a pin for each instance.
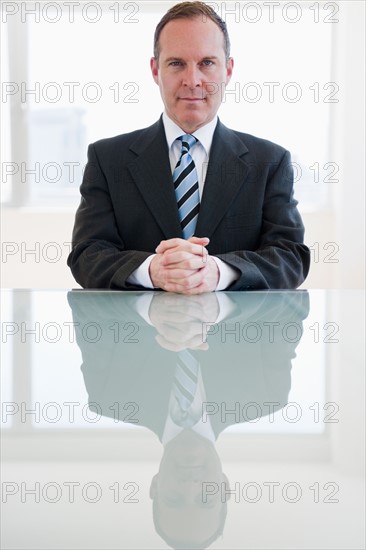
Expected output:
(247, 210)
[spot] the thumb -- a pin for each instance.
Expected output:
(199, 240)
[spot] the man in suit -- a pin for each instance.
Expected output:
(188, 205)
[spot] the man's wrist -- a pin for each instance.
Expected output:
(141, 275)
(227, 274)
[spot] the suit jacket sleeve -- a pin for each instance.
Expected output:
(280, 260)
(98, 258)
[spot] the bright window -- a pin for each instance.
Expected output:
(84, 75)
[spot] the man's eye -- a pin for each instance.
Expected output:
(175, 63)
(207, 62)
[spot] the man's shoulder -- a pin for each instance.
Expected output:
(256, 145)
(258, 142)
(126, 140)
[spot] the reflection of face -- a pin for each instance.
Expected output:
(188, 461)
(191, 71)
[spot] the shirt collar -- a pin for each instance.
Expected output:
(203, 134)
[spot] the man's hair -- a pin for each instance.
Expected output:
(191, 10)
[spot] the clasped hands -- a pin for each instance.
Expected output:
(184, 266)
(179, 320)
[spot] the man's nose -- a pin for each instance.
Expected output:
(192, 77)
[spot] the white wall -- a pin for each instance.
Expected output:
(35, 246)
(349, 145)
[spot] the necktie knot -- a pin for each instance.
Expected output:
(187, 142)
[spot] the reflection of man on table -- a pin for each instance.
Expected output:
(229, 374)
(188, 205)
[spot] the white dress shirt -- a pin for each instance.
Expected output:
(200, 153)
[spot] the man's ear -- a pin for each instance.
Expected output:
(229, 69)
(154, 69)
(153, 486)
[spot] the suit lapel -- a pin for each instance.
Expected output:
(151, 172)
(226, 173)
(152, 175)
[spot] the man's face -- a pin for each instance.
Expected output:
(191, 71)
(184, 514)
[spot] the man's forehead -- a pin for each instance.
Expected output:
(206, 27)
(178, 42)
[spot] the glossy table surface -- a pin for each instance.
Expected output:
(153, 420)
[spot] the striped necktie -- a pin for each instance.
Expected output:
(186, 187)
(184, 389)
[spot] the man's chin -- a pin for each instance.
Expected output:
(192, 119)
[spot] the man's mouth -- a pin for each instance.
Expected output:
(193, 99)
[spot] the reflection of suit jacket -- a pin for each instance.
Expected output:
(247, 210)
(233, 372)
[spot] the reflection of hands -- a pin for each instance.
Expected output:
(178, 319)
(184, 266)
